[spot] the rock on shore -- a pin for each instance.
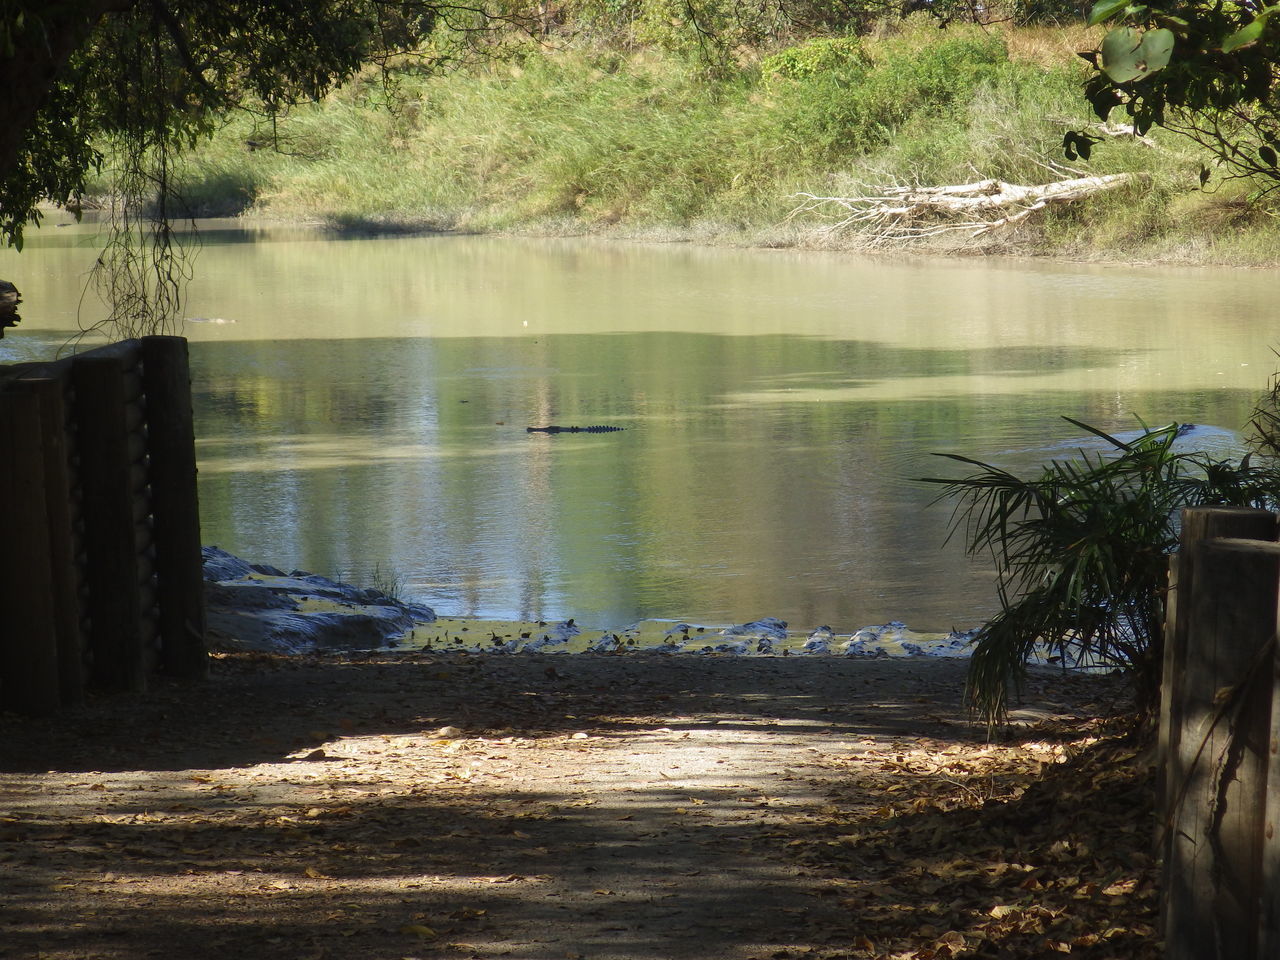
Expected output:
(253, 606)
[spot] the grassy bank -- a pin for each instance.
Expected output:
(649, 143)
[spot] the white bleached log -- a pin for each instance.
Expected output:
(904, 213)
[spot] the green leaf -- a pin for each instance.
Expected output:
(1268, 155)
(1249, 32)
(1105, 10)
(1129, 54)
(1246, 34)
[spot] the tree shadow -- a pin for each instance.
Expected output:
(161, 857)
(599, 878)
(261, 708)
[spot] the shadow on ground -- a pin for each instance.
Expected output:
(260, 708)
(612, 808)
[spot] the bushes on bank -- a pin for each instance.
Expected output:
(598, 136)
(590, 137)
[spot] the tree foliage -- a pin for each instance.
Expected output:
(132, 83)
(79, 74)
(79, 78)
(1203, 69)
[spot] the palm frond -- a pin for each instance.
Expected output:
(1081, 550)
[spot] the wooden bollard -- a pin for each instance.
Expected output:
(1217, 807)
(166, 379)
(64, 577)
(1269, 882)
(28, 645)
(118, 658)
(1198, 523)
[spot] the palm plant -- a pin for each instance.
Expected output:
(1263, 430)
(1081, 553)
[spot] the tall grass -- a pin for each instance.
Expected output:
(592, 139)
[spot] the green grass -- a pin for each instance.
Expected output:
(647, 143)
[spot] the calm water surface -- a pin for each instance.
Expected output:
(366, 403)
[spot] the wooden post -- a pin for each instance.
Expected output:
(29, 646)
(62, 538)
(118, 658)
(1218, 808)
(1198, 523)
(179, 577)
(1269, 934)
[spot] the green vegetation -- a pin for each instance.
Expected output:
(127, 85)
(588, 137)
(664, 118)
(84, 77)
(1082, 552)
(1203, 69)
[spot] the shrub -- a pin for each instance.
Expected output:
(1081, 552)
(817, 59)
(847, 99)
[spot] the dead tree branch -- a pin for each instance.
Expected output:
(902, 214)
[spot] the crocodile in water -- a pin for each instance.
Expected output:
(572, 429)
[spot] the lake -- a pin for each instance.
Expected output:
(362, 403)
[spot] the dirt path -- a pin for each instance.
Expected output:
(596, 807)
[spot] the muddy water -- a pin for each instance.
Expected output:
(363, 403)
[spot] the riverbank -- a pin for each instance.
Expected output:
(612, 808)
(581, 138)
(259, 608)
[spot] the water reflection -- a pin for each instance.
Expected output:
(366, 402)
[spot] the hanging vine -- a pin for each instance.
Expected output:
(123, 87)
(144, 267)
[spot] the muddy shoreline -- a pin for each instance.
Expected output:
(256, 607)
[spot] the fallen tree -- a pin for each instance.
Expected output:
(906, 213)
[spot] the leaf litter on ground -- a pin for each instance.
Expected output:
(313, 808)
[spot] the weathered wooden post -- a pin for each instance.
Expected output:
(119, 658)
(166, 379)
(64, 578)
(1198, 523)
(1269, 934)
(29, 645)
(1216, 801)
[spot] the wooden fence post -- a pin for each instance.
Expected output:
(1198, 523)
(62, 537)
(100, 515)
(179, 577)
(1217, 807)
(1269, 932)
(29, 646)
(116, 632)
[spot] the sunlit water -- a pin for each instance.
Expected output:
(365, 401)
